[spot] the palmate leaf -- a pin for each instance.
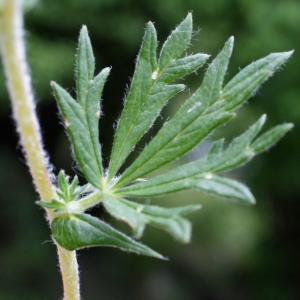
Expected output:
(211, 106)
(81, 118)
(208, 108)
(149, 91)
(138, 215)
(200, 174)
(77, 231)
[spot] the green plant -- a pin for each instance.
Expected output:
(211, 106)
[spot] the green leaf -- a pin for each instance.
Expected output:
(73, 186)
(65, 191)
(209, 183)
(173, 144)
(222, 187)
(213, 101)
(216, 147)
(211, 87)
(238, 152)
(141, 84)
(82, 118)
(85, 65)
(92, 113)
(248, 80)
(138, 215)
(182, 67)
(269, 63)
(188, 127)
(199, 174)
(78, 231)
(208, 108)
(149, 92)
(53, 204)
(271, 137)
(120, 210)
(87, 155)
(176, 43)
(63, 181)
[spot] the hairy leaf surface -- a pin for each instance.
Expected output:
(248, 80)
(77, 127)
(82, 117)
(187, 128)
(209, 100)
(199, 174)
(148, 92)
(85, 65)
(78, 231)
(152, 86)
(138, 215)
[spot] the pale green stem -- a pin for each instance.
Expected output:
(88, 201)
(19, 86)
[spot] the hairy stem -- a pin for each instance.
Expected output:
(89, 201)
(19, 86)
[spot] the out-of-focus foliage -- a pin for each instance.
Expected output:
(236, 252)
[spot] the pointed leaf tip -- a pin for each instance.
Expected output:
(149, 90)
(177, 42)
(189, 16)
(84, 27)
(270, 138)
(85, 64)
(288, 54)
(229, 43)
(263, 118)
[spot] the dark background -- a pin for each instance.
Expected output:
(237, 252)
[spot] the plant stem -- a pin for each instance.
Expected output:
(88, 201)
(19, 86)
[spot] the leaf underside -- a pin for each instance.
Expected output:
(138, 215)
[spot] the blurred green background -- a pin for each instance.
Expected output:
(237, 252)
